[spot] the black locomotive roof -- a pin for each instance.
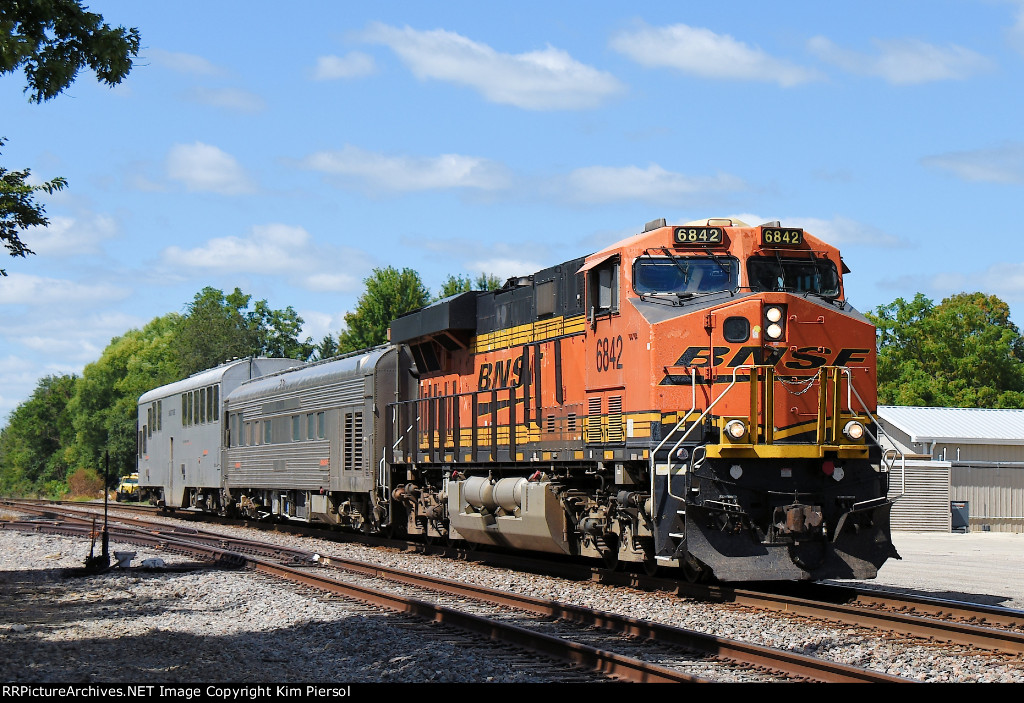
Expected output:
(552, 292)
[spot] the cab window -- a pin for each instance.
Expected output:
(679, 275)
(603, 282)
(817, 276)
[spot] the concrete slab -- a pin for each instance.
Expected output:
(978, 567)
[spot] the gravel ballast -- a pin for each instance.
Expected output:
(135, 625)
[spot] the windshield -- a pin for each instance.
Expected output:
(684, 275)
(794, 275)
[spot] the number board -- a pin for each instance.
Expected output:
(697, 236)
(780, 236)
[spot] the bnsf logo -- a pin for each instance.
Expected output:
(803, 358)
(506, 373)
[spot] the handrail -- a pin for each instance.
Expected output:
(690, 429)
(693, 406)
(894, 449)
(823, 379)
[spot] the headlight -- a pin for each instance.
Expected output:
(854, 430)
(775, 322)
(735, 429)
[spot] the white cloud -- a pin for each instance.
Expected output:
(904, 61)
(268, 249)
(701, 52)
(1004, 279)
(597, 184)
(205, 168)
(475, 256)
(1002, 164)
(64, 347)
(228, 98)
(69, 236)
(548, 79)
(502, 267)
(1015, 34)
(56, 342)
(24, 289)
(14, 369)
(320, 324)
(277, 250)
(840, 231)
(185, 63)
(354, 64)
(332, 282)
(80, 338)
(18, 377)
(410, 173)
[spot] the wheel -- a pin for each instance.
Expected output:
(651, 565)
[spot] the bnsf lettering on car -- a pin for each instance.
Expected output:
(802, 358)
(503, 373)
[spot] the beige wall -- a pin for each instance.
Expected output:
(995, 495)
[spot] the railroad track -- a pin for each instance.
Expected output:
(982, 627)
(644, 651)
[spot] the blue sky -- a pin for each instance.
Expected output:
(290, 149)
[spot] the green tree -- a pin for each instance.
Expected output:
(51, 41)
(18, 208)
(214, 329)
(218, 327)
(104, 406)
(277, 332)
(33, 445)
(389, 293)
(327, 348)
(453, 285)
(963, 352)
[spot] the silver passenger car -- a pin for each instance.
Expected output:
(308, 443)
(180, 433)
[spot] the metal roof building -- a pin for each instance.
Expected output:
(961, 434)
(970, 458)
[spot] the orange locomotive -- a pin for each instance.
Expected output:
(695, 396)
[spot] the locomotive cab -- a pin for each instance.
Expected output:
(764, 377)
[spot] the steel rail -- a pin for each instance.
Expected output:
(599, 660)
(915, 625)
(978, 614)
(574, 653)
(788, 663)
(970, 634)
